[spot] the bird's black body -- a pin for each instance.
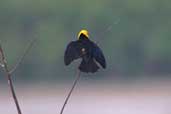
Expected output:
(90, 53)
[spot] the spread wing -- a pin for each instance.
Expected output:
(72, 52)
(98, 55)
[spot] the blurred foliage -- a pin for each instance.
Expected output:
(137, 43)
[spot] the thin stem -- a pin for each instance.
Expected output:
(5, 66)
(22, 57)
(101, 35)
(70, 92)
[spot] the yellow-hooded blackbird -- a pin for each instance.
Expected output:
(84, 48)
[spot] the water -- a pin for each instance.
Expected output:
(89, 99)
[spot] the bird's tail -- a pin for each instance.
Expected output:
(89, 66)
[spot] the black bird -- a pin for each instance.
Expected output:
(92, 56)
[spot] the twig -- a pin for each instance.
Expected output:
(70, 92)
(22, 57)
(5, 66)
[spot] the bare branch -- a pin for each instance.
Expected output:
(1, 57)
(70, 92)
(23, 56)
(8, 75)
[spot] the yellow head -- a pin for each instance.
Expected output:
(84, 32)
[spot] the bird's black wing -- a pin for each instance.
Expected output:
(98, 55)
(72, 52)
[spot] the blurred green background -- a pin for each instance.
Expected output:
(133, 34)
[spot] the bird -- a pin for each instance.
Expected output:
(90, 53)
